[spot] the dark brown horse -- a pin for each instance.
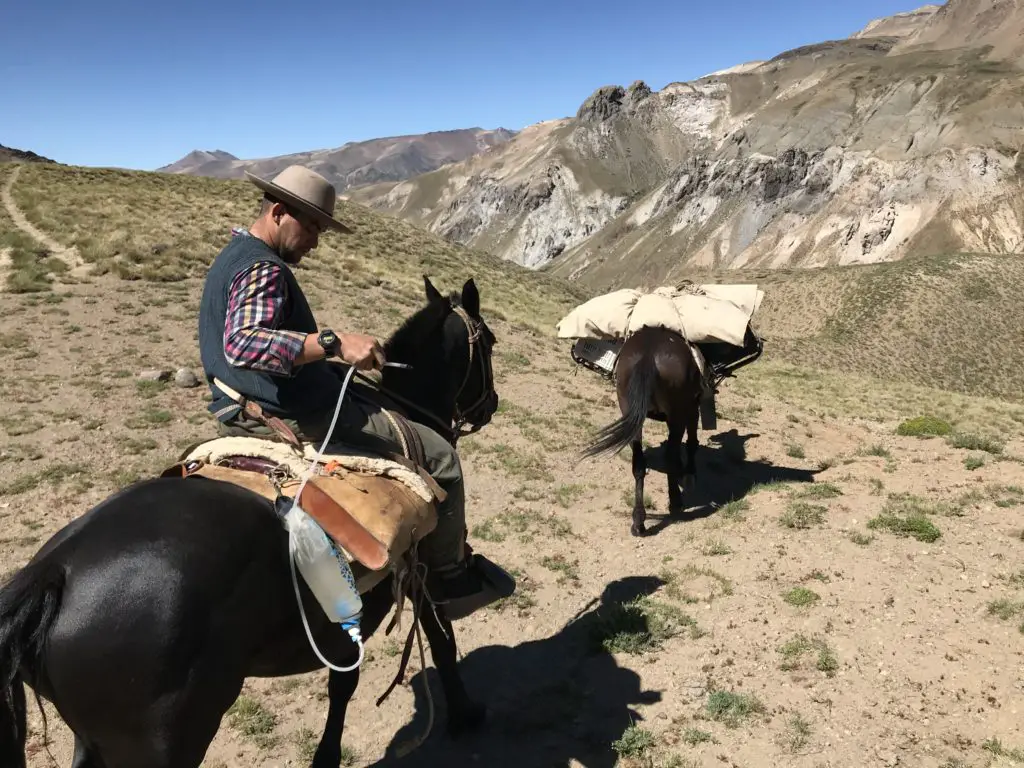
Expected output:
(655, 377)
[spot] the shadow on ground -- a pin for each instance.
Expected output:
(550, 701)
(724, 474)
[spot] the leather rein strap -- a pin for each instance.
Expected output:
(452, 431)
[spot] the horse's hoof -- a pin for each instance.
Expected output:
(689, 482)
(637, 529)
(470, 720)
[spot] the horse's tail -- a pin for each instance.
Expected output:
(639, 393)
(29, 603)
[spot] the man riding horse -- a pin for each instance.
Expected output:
(258, 335)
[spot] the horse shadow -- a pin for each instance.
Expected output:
(724, 474)
(550, 701)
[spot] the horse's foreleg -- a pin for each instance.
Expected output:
(692, 443)
(674, 461)
(340, 687)
(639, 470)
(464, 714)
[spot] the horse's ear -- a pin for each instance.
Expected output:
(471, 299)
(433, 295)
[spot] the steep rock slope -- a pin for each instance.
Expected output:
(899, 24)
(973, 23)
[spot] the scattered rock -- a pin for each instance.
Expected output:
(186, 379)
(155, 375)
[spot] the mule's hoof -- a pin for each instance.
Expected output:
(689, 482)
(470, 720)
(637, 529)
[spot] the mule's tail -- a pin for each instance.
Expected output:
(29, 603)
(639, 393)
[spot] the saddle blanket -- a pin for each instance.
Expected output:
(392, 503)
(700, 313)
(212, 451)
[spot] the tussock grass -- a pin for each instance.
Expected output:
(641, 626)
(732, 709)
(924, 426)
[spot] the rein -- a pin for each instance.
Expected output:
(454, 431)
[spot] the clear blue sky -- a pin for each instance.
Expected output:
(140, 84)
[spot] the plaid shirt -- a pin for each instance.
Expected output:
(256, 302)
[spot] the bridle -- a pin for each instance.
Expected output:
(463, 416)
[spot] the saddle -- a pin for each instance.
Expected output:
(375, 509)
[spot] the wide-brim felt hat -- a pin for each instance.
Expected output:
(304, 190)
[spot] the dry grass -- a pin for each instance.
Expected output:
(946, 321)
(165, 228)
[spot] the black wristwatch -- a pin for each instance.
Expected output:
(329, 340)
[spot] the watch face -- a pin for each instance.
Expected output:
(329, 341)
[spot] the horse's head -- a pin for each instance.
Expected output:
(449, 346)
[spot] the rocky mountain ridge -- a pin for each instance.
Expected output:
(10, 154)
(392, 158)
(847, 151)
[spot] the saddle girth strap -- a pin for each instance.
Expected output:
(415, 455)
(413, 444)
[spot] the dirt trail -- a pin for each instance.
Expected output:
(5, 268)
(70, 256)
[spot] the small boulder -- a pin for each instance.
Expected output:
(186, 379)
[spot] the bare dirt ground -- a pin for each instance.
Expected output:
(785, 629)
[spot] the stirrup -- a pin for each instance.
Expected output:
(497, 584)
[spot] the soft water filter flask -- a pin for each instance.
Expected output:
(324, 569)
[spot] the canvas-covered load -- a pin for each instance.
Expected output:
(700, 313)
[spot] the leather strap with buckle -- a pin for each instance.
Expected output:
(255, 411)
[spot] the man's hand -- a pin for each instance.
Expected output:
(364, 352)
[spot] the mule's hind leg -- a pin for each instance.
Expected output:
(639, 470)
(674, 468)
(692, 443)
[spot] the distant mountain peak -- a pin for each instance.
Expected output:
(356, 163)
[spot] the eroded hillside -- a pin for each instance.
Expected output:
(852, 151)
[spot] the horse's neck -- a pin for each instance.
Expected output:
(425, 385)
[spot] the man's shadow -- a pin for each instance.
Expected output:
(549, 701)
(724, 474)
